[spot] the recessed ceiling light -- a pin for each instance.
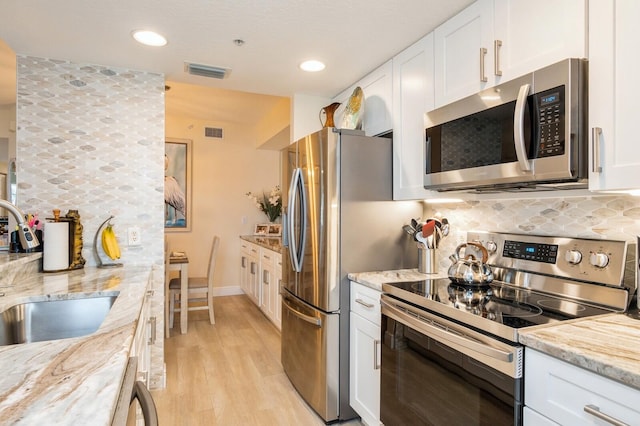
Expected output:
(312, 66)
(149, 38)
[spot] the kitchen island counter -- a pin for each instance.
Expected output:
(75, 380)
(608, 345)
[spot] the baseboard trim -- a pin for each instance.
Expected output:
(232, 290)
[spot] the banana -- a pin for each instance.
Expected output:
(110, 243)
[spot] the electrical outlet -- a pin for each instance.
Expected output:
(133, 236)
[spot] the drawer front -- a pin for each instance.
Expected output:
(568, 394)
(532, 418)
(365, 301)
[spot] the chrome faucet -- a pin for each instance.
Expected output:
(27, 238)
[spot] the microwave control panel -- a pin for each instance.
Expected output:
(551, 117)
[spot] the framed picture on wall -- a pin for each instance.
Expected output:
(177, 185)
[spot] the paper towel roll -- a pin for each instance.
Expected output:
(56, 246)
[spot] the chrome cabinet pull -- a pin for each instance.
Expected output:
(376, 364)
(483, 53)
(497, 44)
(595, 411)
(596, 134)
(365, 304)
(152, 324)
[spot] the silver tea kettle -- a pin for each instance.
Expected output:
(469, 270)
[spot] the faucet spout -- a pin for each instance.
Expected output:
(27, 238)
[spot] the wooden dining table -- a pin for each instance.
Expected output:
(181, 263)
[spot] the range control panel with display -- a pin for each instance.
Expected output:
(547, 253)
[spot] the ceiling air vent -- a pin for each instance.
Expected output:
(206, 70)
(213, 132)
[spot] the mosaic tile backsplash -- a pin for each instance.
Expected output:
(91, 138)
(599, 217)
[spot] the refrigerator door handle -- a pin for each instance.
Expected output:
(297, 196)
(289, 219)
(312, 320)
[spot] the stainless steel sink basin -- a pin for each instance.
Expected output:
(53, 319)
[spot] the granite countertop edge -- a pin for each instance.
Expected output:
(270, 243)
(608, 345)
(75, 380)
(375, 279)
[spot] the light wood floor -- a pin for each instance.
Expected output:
(229, 373)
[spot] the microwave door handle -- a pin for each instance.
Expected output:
(518, 128)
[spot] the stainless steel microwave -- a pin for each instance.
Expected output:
(529, 133)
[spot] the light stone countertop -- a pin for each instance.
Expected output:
(75, 380)
(271, 243)
(375, 279)
(608, 345)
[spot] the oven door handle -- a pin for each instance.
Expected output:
(441, 333)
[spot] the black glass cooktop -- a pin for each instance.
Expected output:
(498, 302)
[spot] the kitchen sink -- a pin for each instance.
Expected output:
(53, 319)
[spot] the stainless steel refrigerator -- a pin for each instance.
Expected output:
(338, 218)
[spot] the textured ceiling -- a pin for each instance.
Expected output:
(351, 37)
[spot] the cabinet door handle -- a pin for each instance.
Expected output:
(497, 44)
(483, 53)
(376, 363)
(265, 277)
(152, 324)
(365, 304)
(243, 262)
(596, 134)
(595, 411)
(253, 268)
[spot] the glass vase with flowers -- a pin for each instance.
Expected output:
(270, 204)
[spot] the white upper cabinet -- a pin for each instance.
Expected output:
(493, 41)
(533, 34)
(377, 90)
(412, 97)
(462, 53)
(614, 37)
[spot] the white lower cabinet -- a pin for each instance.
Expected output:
(562, 393)
(365, 353)
(260, 277)
(270, 278)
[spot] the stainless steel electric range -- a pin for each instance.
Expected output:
(450, 353)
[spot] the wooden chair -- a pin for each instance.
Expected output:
(197, 286)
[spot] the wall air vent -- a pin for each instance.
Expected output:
(213, 132)
(206, 70)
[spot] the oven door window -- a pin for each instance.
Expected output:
(424, 382)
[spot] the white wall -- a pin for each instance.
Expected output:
(223, 172)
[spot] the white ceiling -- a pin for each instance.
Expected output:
(352, 37)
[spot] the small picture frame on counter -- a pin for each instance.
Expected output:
(261, 229)
(275, 230)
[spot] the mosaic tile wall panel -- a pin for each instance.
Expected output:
(600, 217)
(91, 138)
